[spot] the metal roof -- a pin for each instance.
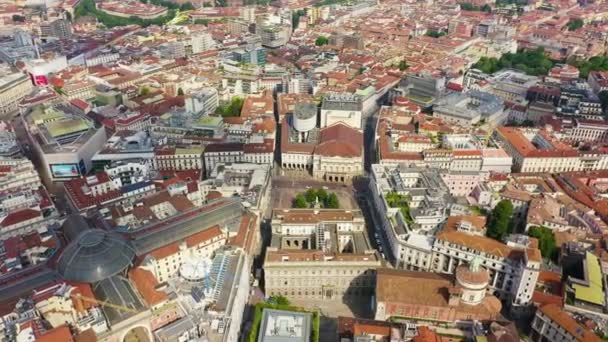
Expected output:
(95, 255)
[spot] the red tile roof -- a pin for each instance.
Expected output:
(266, 147)
(59, 334)
(146, 285)
(191, 241)
(81, 200)
(80, 104)
(426, 335)
(557, 315)
(526, 149)
(20, 216)
(340, 140)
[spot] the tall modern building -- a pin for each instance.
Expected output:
(251, 55)
(56, 28)
(64, 142)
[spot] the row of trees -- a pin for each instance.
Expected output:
(546, 241)
(532, 62)
(575, 24)
(329, 2)
(536, 62)
(596, 63)
(201, 22)
(500, 225)
(87, 7)
(467, 6)
(311, 196)
(502, 3)
(295, 18)
(186, 6)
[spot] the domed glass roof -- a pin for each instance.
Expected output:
(95, 255)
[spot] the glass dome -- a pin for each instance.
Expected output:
(95, 255)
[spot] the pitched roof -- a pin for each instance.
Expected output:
(20, 216)
(340, 140)
(425, 289)
(192, 240)
(59, 334)
(146, 285)
(557, 315)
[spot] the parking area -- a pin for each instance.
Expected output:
(285, 189)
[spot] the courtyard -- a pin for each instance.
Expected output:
(285, 189)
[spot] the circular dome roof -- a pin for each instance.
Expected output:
(195, 269)
(95, 255)
(305, 110)
(467, 275)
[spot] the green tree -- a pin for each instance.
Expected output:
(500, 220)
(201, 22)
(144, 91)
(332, 201)
(279, 300)
(403, 65)
(595, 63)
(311, 195)
(435, 34)
(532, 62)
(321, 40)
(467, 6)
(300, 201)
(87, 7)
(295, 18)
(207, 4)
(186, 6)
(233, 108)
(575, 24)
(180, 92)
(322, 195)
(546, 241)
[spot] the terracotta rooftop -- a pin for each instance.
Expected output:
(340, 140)
(191, 241)
(20, 216)
(526, 149)
(426, 335)
(424, 289)
(59, 334)
(146, 285)
(579, 332)
(487, 245)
